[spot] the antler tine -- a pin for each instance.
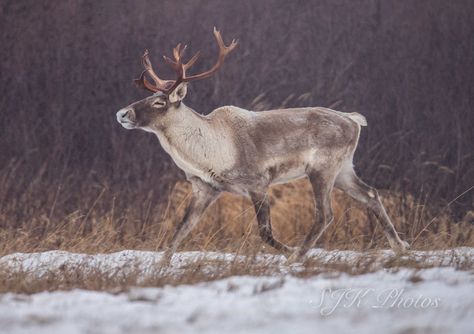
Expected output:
(180, 70)
(178, 52)
(142, 82)
(223, 52)
(192, 60)
(178, 56)
(175, 65)
(178, 66)
(149, 68)
(223, 49)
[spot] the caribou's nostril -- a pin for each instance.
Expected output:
(123, 114)
(126, 117)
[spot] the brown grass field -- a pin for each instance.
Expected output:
(229, 225)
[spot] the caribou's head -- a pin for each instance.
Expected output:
(168, 94)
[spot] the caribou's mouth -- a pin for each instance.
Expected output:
(127, 125)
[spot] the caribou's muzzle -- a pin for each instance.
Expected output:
(126, 117)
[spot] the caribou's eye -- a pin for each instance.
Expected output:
(158, 103)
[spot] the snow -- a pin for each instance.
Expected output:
(148, 263)
(439, 300)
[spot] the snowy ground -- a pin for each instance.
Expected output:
(433, 300)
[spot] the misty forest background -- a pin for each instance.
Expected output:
(67, 66)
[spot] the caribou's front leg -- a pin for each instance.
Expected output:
(203, 195)
(262, 208)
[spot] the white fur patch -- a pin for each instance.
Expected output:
(358, 118)
(197, 146)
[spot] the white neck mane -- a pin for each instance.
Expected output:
(196, 144)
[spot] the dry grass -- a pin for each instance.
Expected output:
(108, 224)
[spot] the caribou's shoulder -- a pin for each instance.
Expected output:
(231, 115)
(232, 110)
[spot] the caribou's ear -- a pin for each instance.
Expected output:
(178, 94)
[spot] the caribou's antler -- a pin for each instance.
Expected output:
(167, 86)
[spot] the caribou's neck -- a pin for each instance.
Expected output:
(198, 145)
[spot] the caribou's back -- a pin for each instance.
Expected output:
(280, 144)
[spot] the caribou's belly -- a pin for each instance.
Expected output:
(290, 176)
(289, 168)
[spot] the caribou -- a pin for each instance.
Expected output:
(244, 152)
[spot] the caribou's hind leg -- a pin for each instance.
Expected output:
(322, 184)
(348, 181)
